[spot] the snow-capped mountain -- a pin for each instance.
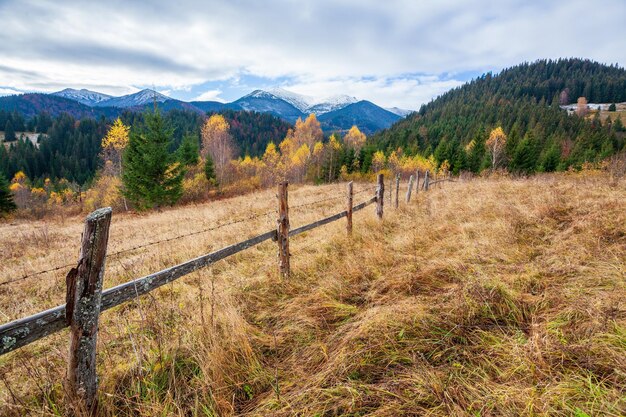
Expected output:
(265, 102)
(139, 98)
(399, 112)
(338, 112)
(299, 101)
(331, 104)
(308, 104)
(83, 96)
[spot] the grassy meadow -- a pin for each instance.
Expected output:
(487, 297)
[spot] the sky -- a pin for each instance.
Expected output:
(395, 53)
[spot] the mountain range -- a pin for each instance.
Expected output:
(336, 113)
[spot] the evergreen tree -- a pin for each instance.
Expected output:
(550, 159)
(460, 161)
(9, 132)
(152, 177)
(188, 152)
(612, 107)
(478, 151)
(6, 198)
(209, 170)
(525, 155)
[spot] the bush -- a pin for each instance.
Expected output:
(104, 193)
(195, 188)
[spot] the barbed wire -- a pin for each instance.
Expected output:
(311, 203)
(145, 245)
(197, 232)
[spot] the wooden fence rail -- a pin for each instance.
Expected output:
(86, 300)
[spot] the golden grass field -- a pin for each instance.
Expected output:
(489, 297)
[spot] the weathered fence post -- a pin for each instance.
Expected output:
(349, 208)
(83, 299)
(380, 196)
(409, 190)
(390, 189)
(426, 181)
(397, 188)
(417, 181)
(282, 233)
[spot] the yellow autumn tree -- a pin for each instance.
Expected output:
(393, 162)
(378, 161)
(218, 143)
(308, 131)
(495, 144)
(298, 162)
(271, 165)
(318, 157)
(332, 149)
(113, 145)
(354, 139)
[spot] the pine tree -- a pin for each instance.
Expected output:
(550, 159)
(152, 177)
(460, 161)
(209, 170)
(188, 152)
(9, 132)
(525, 155)
(612, 107)
(7, 204)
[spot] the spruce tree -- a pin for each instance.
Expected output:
(550, 159)
(209, 170)
(188, 152)
(7, 204)
(152, 177)
(9, 132)
(525, 156)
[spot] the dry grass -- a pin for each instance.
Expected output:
(489, 297)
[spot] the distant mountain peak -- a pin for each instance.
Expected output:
(299, 101)
(399, 111)
(140, 98)
(83, 96)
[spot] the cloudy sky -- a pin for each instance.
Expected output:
(392, 52)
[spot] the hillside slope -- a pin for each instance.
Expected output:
(29, 105)
(489, 297)
(366, 115)
(524, 100)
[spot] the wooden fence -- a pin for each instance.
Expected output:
(86, 300)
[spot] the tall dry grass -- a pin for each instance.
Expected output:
(486, 297)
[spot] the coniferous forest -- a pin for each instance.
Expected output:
(70, 148)
(524, 100)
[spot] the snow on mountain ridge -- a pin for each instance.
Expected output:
(299, 101)
(399, 112)
(304, 103)
(139, 98)
(83, 96)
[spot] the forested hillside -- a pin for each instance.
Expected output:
(524, 100)
(252, 131)
(70, 148)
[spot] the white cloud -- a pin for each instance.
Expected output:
(405, 92)
(211, 95)
(117, 46)
(8, 91)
